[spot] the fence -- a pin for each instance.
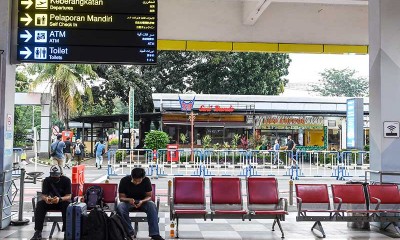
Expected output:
(209, 162)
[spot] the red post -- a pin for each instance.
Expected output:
(78, 176)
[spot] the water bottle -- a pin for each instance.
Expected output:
(172, 229)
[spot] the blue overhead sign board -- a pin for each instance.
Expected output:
(350, 123)
(87, 31)
(355, 124)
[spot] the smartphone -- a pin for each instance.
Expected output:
(137, 202)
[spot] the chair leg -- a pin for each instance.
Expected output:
(318, 226)
(273, 225)
(136, 229)
(280, 227)
(52, 229)
(58, 227)
(177, 227)
(395, 226)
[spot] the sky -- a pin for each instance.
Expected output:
(305, 68)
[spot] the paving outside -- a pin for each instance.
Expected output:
(198, 229)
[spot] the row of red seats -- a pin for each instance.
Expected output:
(351, 203)
(189, 199)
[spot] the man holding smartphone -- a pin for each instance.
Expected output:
(135, 193)
(56, 195)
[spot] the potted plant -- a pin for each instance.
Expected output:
(183, 138)
(207, 141)
(235, 140)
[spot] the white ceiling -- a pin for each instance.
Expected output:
(268, 21)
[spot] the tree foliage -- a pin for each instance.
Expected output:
(341, 83)
(117, 82)
(198, 72)
(240, 73)
(67, 83)
(21, 82)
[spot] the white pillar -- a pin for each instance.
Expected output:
(7, 91)
(384, 56)
(45, 125)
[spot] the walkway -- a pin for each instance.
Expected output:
(227, 230)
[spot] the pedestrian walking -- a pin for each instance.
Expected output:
(291, 147)
(57, 152)
(100, 150)
(79, 151)
(67, 153)
(277, 147)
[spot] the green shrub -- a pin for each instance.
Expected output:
(156, 140)
(113, 141)
(366, 148)
(120, 155)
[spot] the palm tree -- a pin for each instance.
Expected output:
(67, 84)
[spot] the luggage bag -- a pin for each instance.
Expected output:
(75, 214)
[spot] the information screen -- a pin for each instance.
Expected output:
(87, 31)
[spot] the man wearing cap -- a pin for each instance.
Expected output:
(58, 148)
(135, 193)
(56, 195)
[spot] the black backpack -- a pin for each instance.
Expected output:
(94, 197)
(95, 225)
(116, 229)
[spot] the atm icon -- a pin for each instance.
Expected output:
(41, 36)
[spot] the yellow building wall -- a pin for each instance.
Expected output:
(314, 137)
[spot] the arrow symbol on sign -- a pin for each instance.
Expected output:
(26, 19)
(27, 52)
(27, 36)
(28, 3)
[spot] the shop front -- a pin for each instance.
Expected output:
(221, 127)
(308, 132)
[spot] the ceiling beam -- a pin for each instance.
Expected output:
(328, 2)
(253, 10)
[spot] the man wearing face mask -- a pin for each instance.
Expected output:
(135, 193)
(56, 195)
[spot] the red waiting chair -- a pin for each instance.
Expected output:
(110, 192)
(264, 202)
(188, 199)
(312, 200)
(386, 198)
(226, 198)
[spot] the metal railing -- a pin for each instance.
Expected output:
(381, 174)
(8, 193)
(209, 162)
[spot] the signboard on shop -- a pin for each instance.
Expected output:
(289, 122)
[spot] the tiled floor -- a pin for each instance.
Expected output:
(229, 229)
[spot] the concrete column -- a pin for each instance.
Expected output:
(384, 59)
(45, 126)
(7, 91)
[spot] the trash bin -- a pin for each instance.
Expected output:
(360, 225)
(172, 153)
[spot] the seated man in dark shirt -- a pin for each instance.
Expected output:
(135, 192)
(56, 195)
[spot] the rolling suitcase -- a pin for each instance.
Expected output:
(75, 214)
